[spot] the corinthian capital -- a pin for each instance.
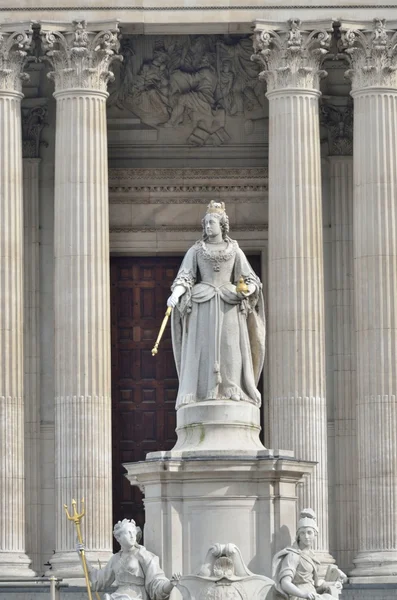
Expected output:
(292, 53)
(14, 44)
(81, 54)
(372, 53)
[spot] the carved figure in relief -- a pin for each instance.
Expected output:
(194, 81)
(218, 325)
(135, 570)
(295, 569)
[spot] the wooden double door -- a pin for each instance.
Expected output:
(144, 387)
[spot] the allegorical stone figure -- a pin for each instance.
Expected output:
(134, 570)
(218, 332)
(295, 569)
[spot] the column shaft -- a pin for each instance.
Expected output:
(32, 357)
(82, 317)
(13, 560)
(375, 261)
(344, 367)
(296, 303)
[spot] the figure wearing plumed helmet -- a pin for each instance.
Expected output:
(295, 569)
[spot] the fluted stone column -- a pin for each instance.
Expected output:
(13, 560)
(33, 115)
(291, 57)
(372, 51)
(81, 59)
(339, 122)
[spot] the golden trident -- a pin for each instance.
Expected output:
(76, 518)
(160, 335)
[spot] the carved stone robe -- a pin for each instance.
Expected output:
(302, 566)
(137, 574)
(218, 337)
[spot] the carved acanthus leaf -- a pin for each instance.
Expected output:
(372, 54)
(81, 57)
(13, 56)
(291, 56)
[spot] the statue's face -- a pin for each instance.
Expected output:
(127, 537)
(212, 226)
(306, 537)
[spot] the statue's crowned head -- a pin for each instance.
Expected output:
(307, 518)
(126, 524)
(217, 209)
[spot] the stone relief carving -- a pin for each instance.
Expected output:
(292, 56)
(80, 56)
(338, 120)
(224, 576)
(33, 123)
(197, 82)
(14, 48)
(372, 53)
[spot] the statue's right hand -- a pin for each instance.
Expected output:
(80, 548)
(173, 300)
(310, 596)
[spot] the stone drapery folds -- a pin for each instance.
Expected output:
(292, 53)
(80, 55)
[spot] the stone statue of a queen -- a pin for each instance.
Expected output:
(218, 321)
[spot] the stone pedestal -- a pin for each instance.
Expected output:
(13, 560)
(194, 501)
(373, 55)
(81, 58)
(291, 57)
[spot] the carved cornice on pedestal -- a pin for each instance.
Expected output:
(372, 53)
(292, 53)
(81, 54)
(338, 120)
(14, 44)
(33, 123)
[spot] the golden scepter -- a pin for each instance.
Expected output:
(155, 348)
(76, 518)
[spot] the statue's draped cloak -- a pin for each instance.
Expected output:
(218, 337)
(302, 566)
(137, 574)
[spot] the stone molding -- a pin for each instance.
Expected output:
(80, 54)
(182, 186)
(371, 50)
(14, 46)
(338, 121)
(183, 174)
(291, 54)
(182, 229)
(197, 8)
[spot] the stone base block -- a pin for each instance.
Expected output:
(15, 564)
(374, 567)
(369, 592)
(193, 501)
(217, 425)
